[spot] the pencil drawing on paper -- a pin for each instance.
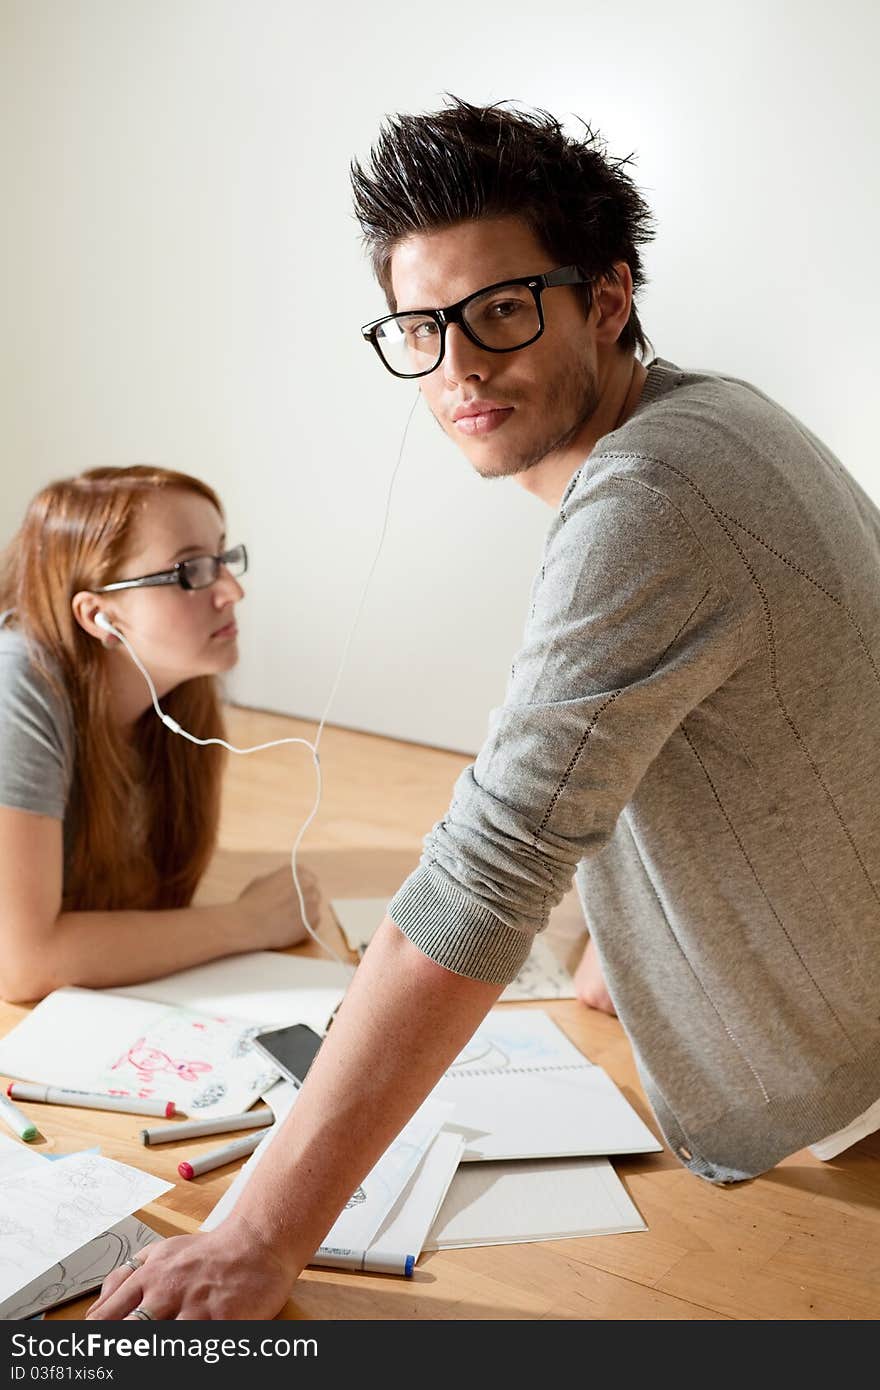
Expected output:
(81, 1272)
(67, 1202)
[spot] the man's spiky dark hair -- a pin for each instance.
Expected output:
(466, 162)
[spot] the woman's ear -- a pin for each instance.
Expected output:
(86, 609)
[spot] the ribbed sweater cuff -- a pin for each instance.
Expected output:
(461, 935)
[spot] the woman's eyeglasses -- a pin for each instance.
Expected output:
(198, 573)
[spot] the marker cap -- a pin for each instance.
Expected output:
(186, 1170)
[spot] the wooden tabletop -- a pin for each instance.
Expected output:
(796, 1243)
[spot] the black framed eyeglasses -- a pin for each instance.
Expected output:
(198, 573)
(503, 317)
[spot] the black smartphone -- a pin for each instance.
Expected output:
(292, 1050)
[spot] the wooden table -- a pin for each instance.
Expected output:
(799, 1242)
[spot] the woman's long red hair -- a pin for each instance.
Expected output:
(74, 537)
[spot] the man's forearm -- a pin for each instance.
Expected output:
(404, 1020)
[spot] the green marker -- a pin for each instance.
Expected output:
(17, 1120)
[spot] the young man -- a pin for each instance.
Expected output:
(691, 723)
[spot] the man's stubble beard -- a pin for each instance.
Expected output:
(572, 399)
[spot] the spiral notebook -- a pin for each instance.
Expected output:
(522, 1090)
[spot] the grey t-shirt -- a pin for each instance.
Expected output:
(37, 741)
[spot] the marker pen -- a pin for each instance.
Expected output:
(239, 1148)
(58, 1095)
(192, 1129)
(17, 1120)
(371, 1262)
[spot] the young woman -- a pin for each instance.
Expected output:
(107, 819)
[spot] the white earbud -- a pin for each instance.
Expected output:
(101, 620)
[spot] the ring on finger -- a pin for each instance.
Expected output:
(142, 1313)
(131, 1263)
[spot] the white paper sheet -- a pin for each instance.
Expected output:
(90, 1040)
(506, 1203)
(47, 1213)
(278, 1097)
(16, 1157)
(405, 1228)
(265, 987)
(522, 1090)
(542, 976)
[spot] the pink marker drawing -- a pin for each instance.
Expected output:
(148, 1061)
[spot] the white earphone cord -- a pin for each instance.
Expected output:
(175, 728)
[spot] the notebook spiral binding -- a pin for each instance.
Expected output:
(464, 1069)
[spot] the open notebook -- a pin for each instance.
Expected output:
(522, 1090)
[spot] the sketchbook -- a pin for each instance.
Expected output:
(522, 1090)
(541, 977)
(89, 1040)
(507, 1203)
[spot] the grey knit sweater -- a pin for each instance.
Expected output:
(693, 725)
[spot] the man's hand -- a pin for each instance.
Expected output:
(224, 1273)
(589, 983)
(272, 907)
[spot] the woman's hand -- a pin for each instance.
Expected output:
(224, 1273)
(272, 907)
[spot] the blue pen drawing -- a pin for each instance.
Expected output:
(514, 1041)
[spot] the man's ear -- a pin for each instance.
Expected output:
(613, 299)
(85, 608)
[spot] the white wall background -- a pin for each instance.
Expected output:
(181, 282)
